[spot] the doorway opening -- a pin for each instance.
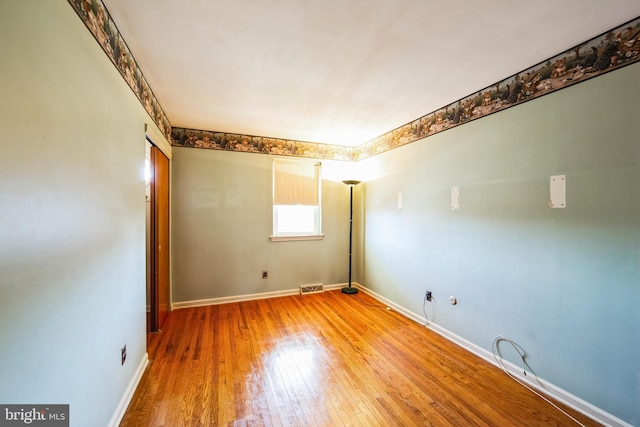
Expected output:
(157, 208)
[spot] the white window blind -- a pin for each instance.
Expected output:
(296, 200)
(296, 183)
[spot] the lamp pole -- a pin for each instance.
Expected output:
(351, 184)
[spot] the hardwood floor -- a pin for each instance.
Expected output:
(325, 359)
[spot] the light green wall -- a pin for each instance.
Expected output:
(222, 220)
(563, 283)
(72, 216)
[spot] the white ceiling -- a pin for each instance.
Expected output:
(341, 71)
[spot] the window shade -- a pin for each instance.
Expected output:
(295, 183)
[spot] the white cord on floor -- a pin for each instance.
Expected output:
(424, 310)
(522, 353)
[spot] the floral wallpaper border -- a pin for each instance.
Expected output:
(99, 22)
(609, 51)
(258, 144)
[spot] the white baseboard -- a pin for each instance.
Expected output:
(538, 384)
(117, 416)
(247, 297)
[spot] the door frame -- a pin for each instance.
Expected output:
(158, 270)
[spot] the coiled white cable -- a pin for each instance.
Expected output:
(522, 354)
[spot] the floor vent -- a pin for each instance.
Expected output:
(311, 289)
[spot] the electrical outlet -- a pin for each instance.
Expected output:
(123, 354)
(427, 295)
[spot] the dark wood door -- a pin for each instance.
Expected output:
(159, 238)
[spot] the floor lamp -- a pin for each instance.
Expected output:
(351, 184)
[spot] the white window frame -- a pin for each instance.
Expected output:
(316, 233)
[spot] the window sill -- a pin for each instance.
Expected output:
(296, 238)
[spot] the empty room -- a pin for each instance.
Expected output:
(312, 213)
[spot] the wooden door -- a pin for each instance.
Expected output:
(159, 238)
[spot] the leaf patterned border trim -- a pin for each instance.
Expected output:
(195, 138)
(98, 21)
(609, 51)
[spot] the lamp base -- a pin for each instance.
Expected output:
(349, 290)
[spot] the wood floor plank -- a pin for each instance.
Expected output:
(326, 359)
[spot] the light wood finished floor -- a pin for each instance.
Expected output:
(326, 359)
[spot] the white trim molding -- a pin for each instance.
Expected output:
(117, 416)
(158, 139)
(296, 238)
(536, 383)
(247, 297)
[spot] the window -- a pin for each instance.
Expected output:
(296, 200)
